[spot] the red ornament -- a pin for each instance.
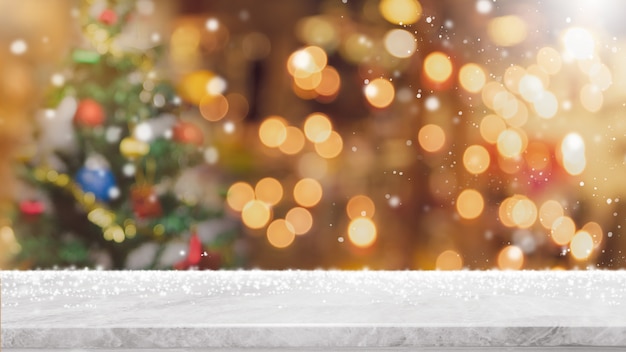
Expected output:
(198, 258)
(108, 17)
(187, 132)
(89, 113)
(32, 207)
(145, 202)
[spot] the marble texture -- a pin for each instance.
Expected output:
(316, 310)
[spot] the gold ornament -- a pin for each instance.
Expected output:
(133, 148)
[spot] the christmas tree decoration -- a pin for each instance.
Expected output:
(108, 17)
(89, 113)
(133, 148)
(96, 178)
(112, 116)
(188, 132)
(32, 207)
(145, 202)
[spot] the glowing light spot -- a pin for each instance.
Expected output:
(238, 195)
(256, 214)
(490, 91)
(213, 107)
(490, 128)
(400, 43)
(437, 67)
(484, 6)
(362, 232)
(307, 192)
(432, 103)
(330, 82)
(581, 245)
(546, 105)
(431, 138)
(18, 47)
(595, 230)
(269, 190)
(317, 127)
(449, 260)
(530, 88)
(509, 143)
(549, 211)
(306, 61)
(549, 60)
(400, 11)
(476, 159)
(280, 233)
(294, 141)
(591, 97)
(507, 30)
(301, 220)
(360, 206)
(579, 43)
(512, 77)
(524, 213)
(273, 131)
(379, 93)
(562, 230)
(573, 154)
(472, 78)
(331, 147)
(511, 258)
(600, 76)
(470, 204)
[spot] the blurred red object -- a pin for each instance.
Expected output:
(198, 258)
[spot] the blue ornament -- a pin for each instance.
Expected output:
(97, 180)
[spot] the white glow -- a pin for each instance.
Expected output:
(432, 103)
(484, 6)
(18, 47)
(573, 154)
(579, 43)
(143, 132)
(530, 88)
(212, 24)
(216, 85)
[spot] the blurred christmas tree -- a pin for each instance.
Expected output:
(108, 172)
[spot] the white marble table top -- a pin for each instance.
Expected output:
(180, 311)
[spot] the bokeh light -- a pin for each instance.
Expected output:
(362, 232)
(273, 131)
(400, 11)
(470, 204)
(490, 128)
(301, 220)
(360, 206)
(573, 154)
(549, 211)
(507, 30)
(379, 93)
(511, 258)
(562, 230)
(294, 141)
(317, 127)
(437, 67)
(307, 192)
(431, 138)
(400, 43)
(509, 143)
(476, 159)
(579, 43)
(331, 147)
(472, 77)
(280, 233)
(256, 214)
(581, 245)
(449, 260)
(269, 190)
(238, 195)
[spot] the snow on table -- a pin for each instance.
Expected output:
(330, 310)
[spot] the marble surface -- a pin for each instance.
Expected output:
(315, 310)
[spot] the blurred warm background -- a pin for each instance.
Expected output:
(381, 134)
